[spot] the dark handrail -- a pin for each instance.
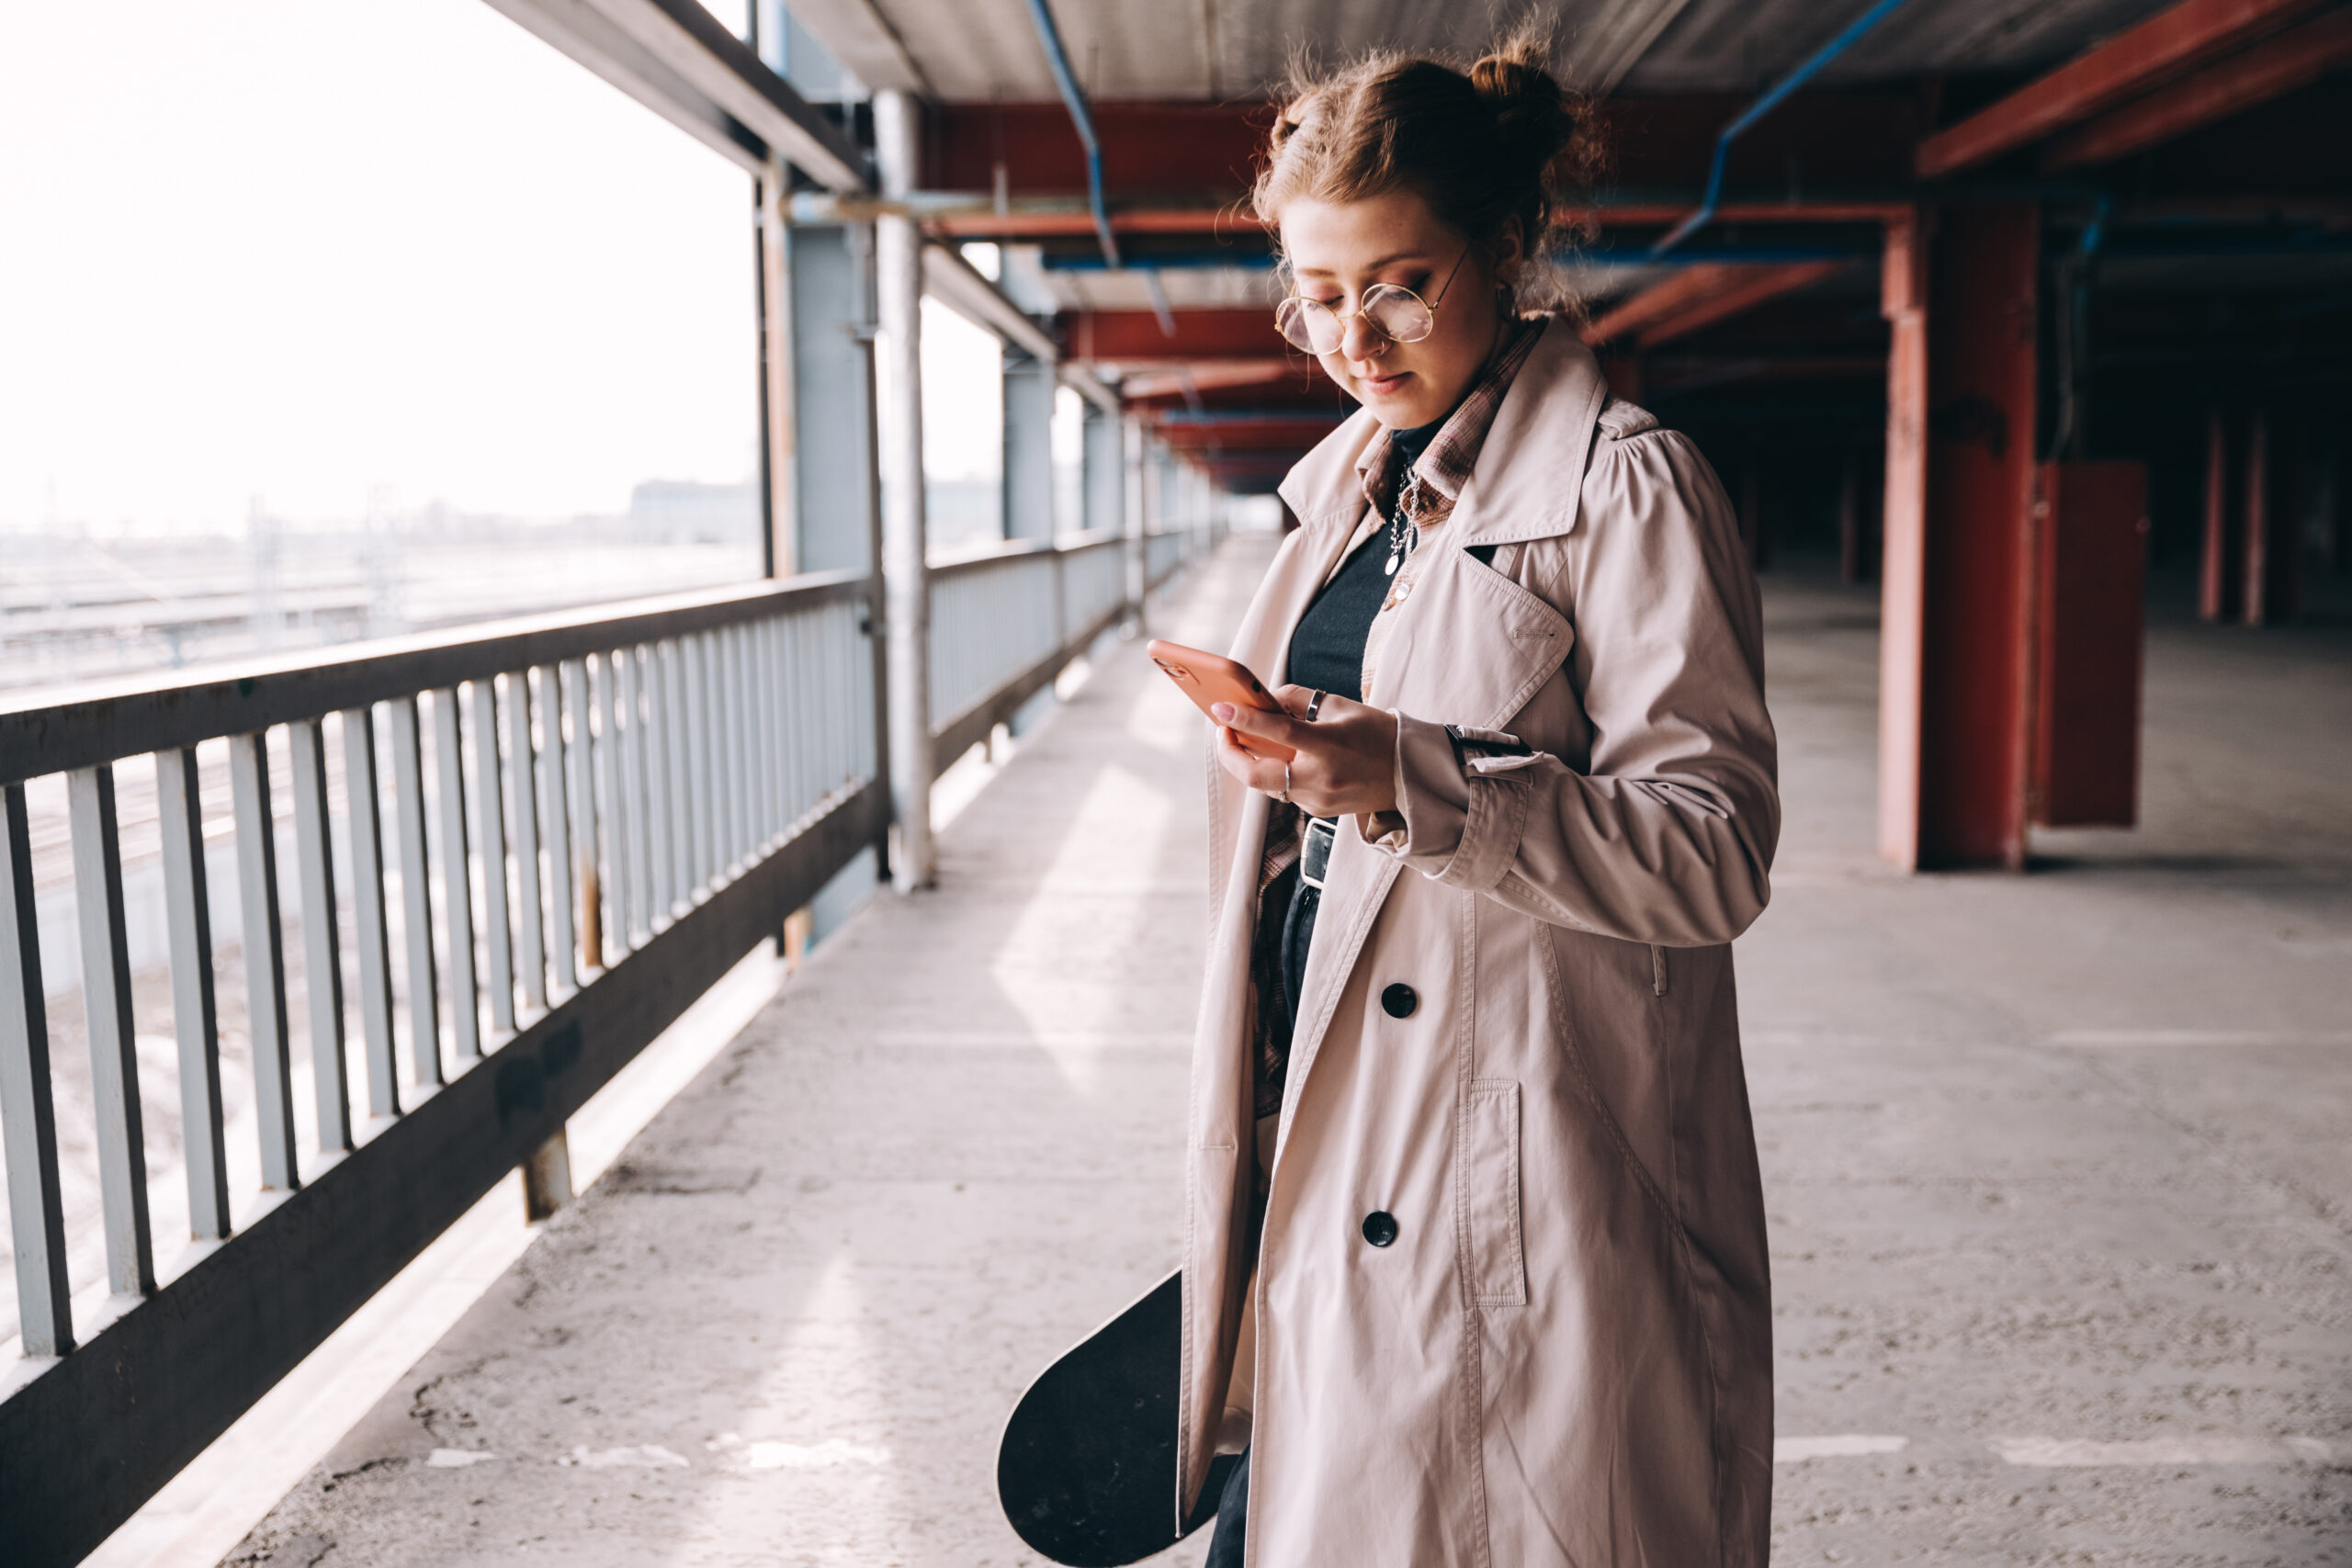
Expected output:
(49, 730)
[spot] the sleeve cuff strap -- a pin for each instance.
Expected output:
(1462, 797)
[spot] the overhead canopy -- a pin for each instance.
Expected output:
(983, 51)
(2197, 146)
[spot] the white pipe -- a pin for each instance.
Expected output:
(905, 574)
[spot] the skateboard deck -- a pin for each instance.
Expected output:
(1087, 1470)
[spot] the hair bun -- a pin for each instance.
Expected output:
(1530, 111)
(1494, 149)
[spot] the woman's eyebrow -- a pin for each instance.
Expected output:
(1373, 267)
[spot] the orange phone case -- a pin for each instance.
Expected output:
(1212, 678)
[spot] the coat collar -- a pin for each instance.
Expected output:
(1528, 480)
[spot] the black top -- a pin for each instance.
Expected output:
(1327, 649)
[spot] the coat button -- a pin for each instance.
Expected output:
(1380, 1228)
(1398, 1000)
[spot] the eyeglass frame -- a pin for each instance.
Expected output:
(1343, 317)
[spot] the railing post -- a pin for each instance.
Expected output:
(899, 260)
(114, 1057)
(547, 1178)
(27, 1113)
(195, 1017)
(264, 945)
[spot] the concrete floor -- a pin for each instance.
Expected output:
(2061, 1212)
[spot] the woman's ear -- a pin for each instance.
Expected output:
(1509, 253)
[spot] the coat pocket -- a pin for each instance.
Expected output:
(1494, 1253)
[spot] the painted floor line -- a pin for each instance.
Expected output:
(2082, 1453)
(2210, 1449)
(2128, 1038)
(1845, 1444)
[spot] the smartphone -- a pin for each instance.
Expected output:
(1212, 678)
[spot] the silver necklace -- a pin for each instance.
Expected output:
(1402, 536)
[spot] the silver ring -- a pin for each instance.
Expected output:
(1283, 793)
(1314, 706)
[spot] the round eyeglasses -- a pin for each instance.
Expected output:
(1395, 313)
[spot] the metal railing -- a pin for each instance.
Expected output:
(532, 845)
(1005, 621)
(1167, 551)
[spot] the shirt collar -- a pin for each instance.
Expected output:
(1445, 467)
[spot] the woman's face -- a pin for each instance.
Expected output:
(1338, 250)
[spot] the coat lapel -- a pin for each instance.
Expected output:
(1263, 641)
(1470, 645)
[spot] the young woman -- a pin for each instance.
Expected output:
(1475, 1269)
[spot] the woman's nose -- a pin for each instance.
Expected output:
(1360, 340)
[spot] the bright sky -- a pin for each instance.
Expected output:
(299, 249)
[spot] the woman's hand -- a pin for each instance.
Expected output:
(1347, 759)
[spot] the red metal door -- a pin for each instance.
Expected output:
(2090, 572)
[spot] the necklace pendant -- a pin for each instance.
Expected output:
(1394, 556)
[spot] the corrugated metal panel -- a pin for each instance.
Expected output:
(1741, 45)
(1209, 51)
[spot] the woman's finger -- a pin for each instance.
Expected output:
(1278, 728)
(1295, 700)
(1258, 772)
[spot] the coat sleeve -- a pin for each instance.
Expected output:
(1667, 836)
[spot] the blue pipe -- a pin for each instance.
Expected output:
(1756, 111)
(1057, 57)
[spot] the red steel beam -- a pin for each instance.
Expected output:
(2166, 44)
(981, 224)
(1134, 337)
(1210, 153)
(2270, 70)
(1701, 296)
(1247, 435)
(1206, 218)
(1213, 375)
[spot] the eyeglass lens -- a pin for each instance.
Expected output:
(1397, 314)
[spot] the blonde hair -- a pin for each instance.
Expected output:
(1498, 144)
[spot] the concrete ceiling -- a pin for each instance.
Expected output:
(1214, 50)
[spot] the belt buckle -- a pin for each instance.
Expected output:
(1314, 850)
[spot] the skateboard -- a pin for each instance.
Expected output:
(1087, 1470)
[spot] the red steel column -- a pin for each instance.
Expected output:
(1961, 597)
(1974, 678)
(2212, 561)
(2253, 571)
(1902, 298)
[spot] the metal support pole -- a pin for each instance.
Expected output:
(778, 488)
(899, 263)
(1029, 391)
(1903, 550)
(1102, 478)
(1132, 518)
(1954, 638)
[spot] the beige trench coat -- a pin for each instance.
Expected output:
(1564, 1357)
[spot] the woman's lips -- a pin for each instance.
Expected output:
(1384, 386)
